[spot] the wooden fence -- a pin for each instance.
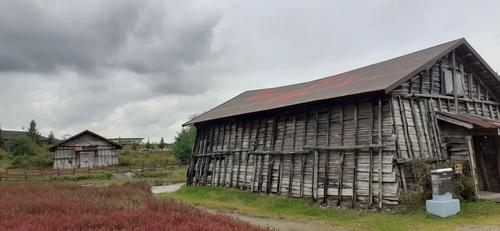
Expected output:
(50, 172)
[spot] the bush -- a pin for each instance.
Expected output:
(421, 189)
(41, 160)
(184, 142)
(85, 176)
(57, 206)
(22, 145)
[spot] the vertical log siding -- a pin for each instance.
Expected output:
(341, 154)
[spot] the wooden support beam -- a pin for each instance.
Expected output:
(280, 174)
(417, 128)
(472, 163)
(315, 175)
(226, 161)
(302, 175)
(431, 82)
(345, 147)
(261, 173)
(484, 172)
(315, 171)
(497, 143)
(292, 164)
(270, 167)
(409, 146)
(290, 177)
(327, 159)
(370, 141)
(380, 153)
(426, 130)
(455, 80)
(341, 161)
(355, 159)
(254, 173)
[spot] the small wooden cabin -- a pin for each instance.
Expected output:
(345, 139)
(85, 150)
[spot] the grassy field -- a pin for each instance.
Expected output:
(483, 212)
(58, 206)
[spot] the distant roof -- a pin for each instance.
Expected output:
(6, 134)
(84, 133)
(380, 77)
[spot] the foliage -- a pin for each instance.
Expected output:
(51, 140)
(147, 145)
(56, 206)
(421, 190)
(282, 207)
(85, 176)
(33, 132)
(22, 145)
(183, 143)
(2, 142)
(162, 144)
(130, 156)
(39, 160)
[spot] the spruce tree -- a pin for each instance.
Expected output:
(33, 132)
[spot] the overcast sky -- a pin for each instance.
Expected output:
(140, 68)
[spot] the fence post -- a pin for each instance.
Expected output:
(58, 171)
(73, 170)
(25, 175)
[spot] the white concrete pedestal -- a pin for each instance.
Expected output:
(443, 205)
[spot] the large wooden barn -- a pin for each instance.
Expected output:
(85, 150)
(344, 139)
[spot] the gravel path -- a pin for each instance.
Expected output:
(166, 188)
(278, 224)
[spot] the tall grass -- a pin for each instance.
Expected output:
(57, 206)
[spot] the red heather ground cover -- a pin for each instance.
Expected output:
(57, 206)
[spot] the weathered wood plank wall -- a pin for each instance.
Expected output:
(345, 152)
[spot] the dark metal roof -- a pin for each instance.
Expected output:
(117, 145)
(7, 134)
(473, 120)
(379, 77)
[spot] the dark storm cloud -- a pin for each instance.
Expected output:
(157, 38)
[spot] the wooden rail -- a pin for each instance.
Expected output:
(32, 173)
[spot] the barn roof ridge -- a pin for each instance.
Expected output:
(382, 76)
(52, 148)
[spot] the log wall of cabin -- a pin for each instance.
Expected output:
(345, 151)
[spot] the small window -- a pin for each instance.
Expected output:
(448, 82)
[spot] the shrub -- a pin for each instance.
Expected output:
(57, 206)
(421, 189)
(183, 143)
(40, 160)
(85, 176)
(21, 145)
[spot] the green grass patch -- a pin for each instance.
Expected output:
(482, 212)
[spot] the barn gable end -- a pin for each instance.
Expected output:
(85, 150)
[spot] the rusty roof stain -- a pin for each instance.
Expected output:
(380, 77)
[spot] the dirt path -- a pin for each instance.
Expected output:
(279, 224)
(166, 188)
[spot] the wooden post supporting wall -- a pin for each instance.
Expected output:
(341, 163)
(355, 171)
(380, 153)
